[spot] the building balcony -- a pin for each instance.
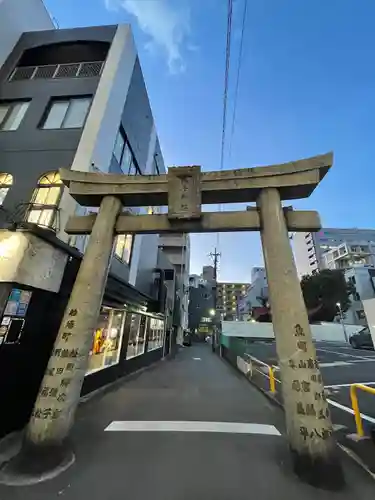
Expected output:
(346, 255)
(57, 71)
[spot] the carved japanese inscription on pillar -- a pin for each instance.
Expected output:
(184, 193)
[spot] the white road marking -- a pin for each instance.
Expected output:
(338, 427)
(334, 363)
(349, 410)
(337, 386)
(192, 426)
(342, 353)
(197, 359)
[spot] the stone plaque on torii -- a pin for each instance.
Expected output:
(184, 190)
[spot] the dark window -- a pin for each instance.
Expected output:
(67, 113)
(12, 113)
(123, 247)
(155, 169)
(124, 155)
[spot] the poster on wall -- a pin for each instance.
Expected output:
(18, 302)
(3, 331)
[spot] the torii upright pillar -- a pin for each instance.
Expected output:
(306, 409)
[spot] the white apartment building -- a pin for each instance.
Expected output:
(333, 248)
(195, 280)
(257, 290)
(363, 278)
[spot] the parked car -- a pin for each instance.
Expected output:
(362, 339)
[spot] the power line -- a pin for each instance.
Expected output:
(225, 94)
(237, 78)
(226, 79)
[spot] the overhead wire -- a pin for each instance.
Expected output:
(225, 94)
(237, 79)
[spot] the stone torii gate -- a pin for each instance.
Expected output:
(184, 190)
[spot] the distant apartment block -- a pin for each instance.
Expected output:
(333, 248)
(229, 298)
(363, 279)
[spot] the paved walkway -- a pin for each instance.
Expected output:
(194, 387)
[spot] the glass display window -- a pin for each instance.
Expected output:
(137, 335)
(156, 334)
(107, 338)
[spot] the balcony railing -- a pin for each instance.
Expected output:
(56, 71)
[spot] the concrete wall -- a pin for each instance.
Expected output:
(28, 260)
(331, 332)
(201, 301)
(17, 17)
(119, 100)
(94, 151)
(29, 152)
(139, 126)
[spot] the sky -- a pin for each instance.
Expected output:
(307, 86)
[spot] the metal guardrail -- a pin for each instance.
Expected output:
(270, 371)
(355, 405)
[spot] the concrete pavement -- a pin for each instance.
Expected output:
(211, 461)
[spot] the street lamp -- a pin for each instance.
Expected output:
(338, 304)
(212, 313)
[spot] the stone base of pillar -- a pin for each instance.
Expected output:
(35, 464)
(321, 472)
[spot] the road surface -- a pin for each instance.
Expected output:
(186, 429)
(341, 365)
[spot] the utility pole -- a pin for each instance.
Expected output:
(215, 259)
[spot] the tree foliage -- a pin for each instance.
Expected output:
(325, 289)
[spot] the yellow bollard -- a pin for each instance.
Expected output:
(357, 415)
(272, 379)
